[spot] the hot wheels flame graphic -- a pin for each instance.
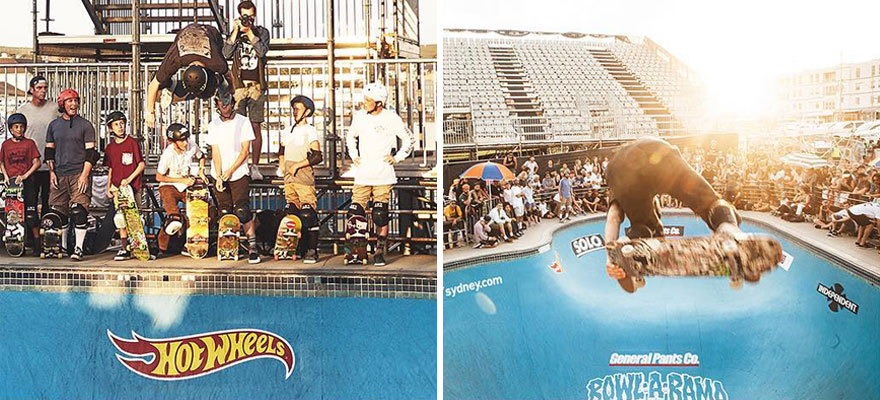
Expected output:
(198, 355)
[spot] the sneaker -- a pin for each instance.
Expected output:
(254, 257)
(478, 246)
(122, 255)
(77, 254)
(185, 252)
(378, 260)
(255, 173)
(311, 257)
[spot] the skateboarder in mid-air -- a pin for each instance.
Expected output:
(648, 167)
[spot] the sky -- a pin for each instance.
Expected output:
(71, 18)
(738, 47)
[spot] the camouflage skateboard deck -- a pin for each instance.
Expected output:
(197, 218)
(289, 233)
(127, 205)
(13, 237)
(356, 240)
(746, 256)
(227, 238)
(50, 235)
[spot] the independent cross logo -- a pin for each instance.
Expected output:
(837, 299)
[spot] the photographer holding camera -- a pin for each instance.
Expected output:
(247, 46)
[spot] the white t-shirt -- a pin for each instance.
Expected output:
(530, 195)
(498, 216)
(378, 135)
(228, 136)
(870, 210)
(38, 123)
(532, 166)
(298, 141)
(511, 195)
(176, 164)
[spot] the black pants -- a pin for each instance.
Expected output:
(648, 167)
(36, 188)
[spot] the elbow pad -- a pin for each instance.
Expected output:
(50, 153)
(314, 157)
(92, 156)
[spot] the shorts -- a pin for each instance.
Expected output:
(300, 194)
(565, 201)
(361, 194)
(67, 193)
(170, 196)
(860, 220)
(235, 195)
(518, 211)
(251, 102)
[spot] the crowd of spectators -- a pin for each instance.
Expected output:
(842, 197)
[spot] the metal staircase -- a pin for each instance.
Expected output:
(650, 104)
(113, 17)
(519, 94)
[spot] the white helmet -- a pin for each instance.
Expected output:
(376, 91)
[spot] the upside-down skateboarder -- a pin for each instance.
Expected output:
(648, 167)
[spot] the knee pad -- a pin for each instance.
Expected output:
(119, 220)
(380, 214)
(61, 218)
(173, 224)
(355, 209)
(309, 218)
(30, 217)
(721, 212)
(79, 216)
(291, 209)
(243, 214)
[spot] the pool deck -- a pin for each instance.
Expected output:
(867, 260)
(422, 266)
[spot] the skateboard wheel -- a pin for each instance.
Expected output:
(276, 257)
(42, 255)
(627, 250)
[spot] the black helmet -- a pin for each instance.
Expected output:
(224, 94)
(310, 105)
(176, 131)
(115, 116)
(195, 79)
(17, 118)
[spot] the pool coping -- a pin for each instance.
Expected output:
(547, 237)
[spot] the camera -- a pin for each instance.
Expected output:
(246, 20)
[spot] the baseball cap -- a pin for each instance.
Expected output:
(35, 81)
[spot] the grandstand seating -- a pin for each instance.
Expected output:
(559, 90)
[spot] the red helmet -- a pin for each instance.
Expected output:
(65, 95)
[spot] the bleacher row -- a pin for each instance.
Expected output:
(675, 91)
(577, 95)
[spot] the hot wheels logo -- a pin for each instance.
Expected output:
(197, 355)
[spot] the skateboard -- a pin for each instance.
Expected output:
(13, 237)
(227, 238)
(197, 217)
(127, 205)
(50, 234)
(743, 256)
(356, 240)
(289, 233)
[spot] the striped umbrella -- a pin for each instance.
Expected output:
(805, 160)
(489, 171)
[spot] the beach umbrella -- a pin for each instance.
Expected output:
(805, 160)
(488, 171)
(876, 162)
